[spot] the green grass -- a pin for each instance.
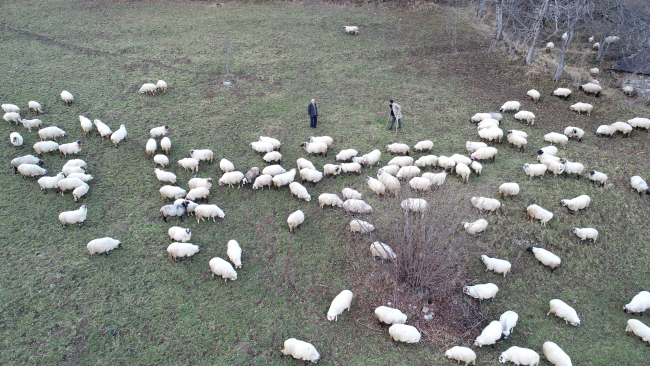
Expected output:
(137, 307)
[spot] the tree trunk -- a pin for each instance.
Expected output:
(498, 33)
(479, 11)
(538, 31)
(560, 60)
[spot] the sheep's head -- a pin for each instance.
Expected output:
(526, 166)
(626, 310)
(119, 244)
(304, 144)
(563, 202)
(592, 172)
(79, 144)
(574, 230)
(166, 127)
(466, 290)
(502, 359)
(210, 180)
(84, 207)
(220, 183)
(40, 162)
(531, 249)
(580, 88)
(191, 152)
(368, 178)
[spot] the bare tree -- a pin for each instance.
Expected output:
(479, 10)
(574, 15)
(498, 30)
(537, 31)
(228, 55)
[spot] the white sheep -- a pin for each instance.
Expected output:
(309, 175)
(391, 183)
(640, 303)
(161, 160)
(582, 107)
(273, 170)
(628, 90)
(357, 206)
(341, 302)
(263, 180)
(591, 88)
(458, 158)
(284, 178)
(398, 148)
(518, 141)
(611, 39)
(172, 192)
(198, 193)
(536, 212)
(234, 253)
(381, 250)
(585, 233)
(222, 268)
(510, 106)
(528, 116)
(295, 220)
(478, 117)
(72, 169)
(425, 145)
(299, 191)
(304, 164)
(189, 205)
(472, 146)
(476, 226)
(508, 189)
(490, 335)
(491, 134)
(574, 132)
(226, 166)
(51, 133)
(407, 172)
(316, 148)
(556, 138)
(102, 246)
(549, 47)
(67, 97)
(346, 154)
(351, 167)
(10, 108)
(50, 182)
(80, 191)
(360, 226)
(463, 171)
(436, 178)
(32, 123)
(376, 186)
(388, 315)
(564, 311)
(562, 93)
(483, 153)
(179, 234)
(209, 211)
(148, 88)
(349, 29)
(165, 144)
(162, 85)
(86, 125)
(596, 46)
(349, 193)
(594, 72)
(324, 139)
(158, 131)
(102, 128)
(31, 170)
(520, 356)
(639, 329)
(392, 169)
(415, 205)
(300, 350)
(485, 204)
(200, 182)
(404, 333)
(461, 354)
(477, 167)
(534, 94)
(71, 148)
(74, 217)
(533, 170)
(120, 135)
(275, 142)
(180, 250)
(446, 162)
(508, 321)
(372, 158)
(331, 169)
(639, 184)
(637, 122)
(271, 157)
(12, 117)
(482, 292)
(578, 203)
(427, 160)
(231, 178)
(202, 155)
(420, 184)
(150, 148)
(15, 139)
(500, 266)
(599, 177)
(545, 257)
(69, 184)
(623, 128)
(555, 354)
(35, 106)
(401, 161)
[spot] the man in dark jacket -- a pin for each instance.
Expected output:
(312, 111)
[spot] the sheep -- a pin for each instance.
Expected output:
(179, 234)
(556, 138)
(640, 303)
(427, 160)
(401, 161)
(415, 205)
(188, 163)
(407, 172)
(574, 132)
(31, 170)
(590, 88)
(300, 350)
(485, 204)
(623, 128)
(497, 265)
(12, 117)
(161, 160)
(71, 148)
(552, 164)
(283, 179)
(50, 182)
(272, 157)
(251, 175)
(231, 178)
(273, 170)
(351, 167)
(492, 134)
(572, 168)
(69, 184)
(392, 169)
(202, 155)
(171, 192)
(529, 117)
(299, 191)
(391, 183)
(351, 30)
(508, 321)
(198, 193)
(463, 171)
(639, 329)
(102, 245)
(599, 177)
(388, 315)
(510, 106)
(436, 178)
(533, 170)
(309, 175)
(420, 183)
(564, 311)
(180, 250)
(316, 148)
(545, 257)
(67, 169)
(263, 180)
(51, 133)
(324, 139)
(536, 212)
(637, 183)
(360, 226)
(555, 354)
(349, 193)
(150, 148)
(295, 220)
(562, 93)
(577, 203)
(472, 146)
(508, 189)
(461, 354)
(482, 292)
(520, 356)
(275, 142)
(606, 130)
(162, 85)
(518, 141)
(582, 107)
(585, 234)
(86, 125)
(594, 72)
(376, 186)
(483, 153)
(628, 90)
(596, 46)
(175, 210)
(478, 168)
(404, 333)
(397, 148)
(222, 268)
(32, 123)
(372, 158)
(612, 39)
(490, 335)
(446, 162)
(381, 250)
(148, 88)
(226, 166)
(102, 128)
(425, 145)
(639, 122)
(74, 217)
(200, 182)
(357, 206)
(565, 35)
(84, 177)
(16, 139)
(478, 117)
(67, 97)
(549, 47)
(10, 108)
(158, 131)
(346, 154)
(487, 123)
(475, 227)
(209, 211)
(341, 302)
(191, 205)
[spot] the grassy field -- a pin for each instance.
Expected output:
(137, 307)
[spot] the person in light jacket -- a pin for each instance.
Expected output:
(312, 111)
(396, 113)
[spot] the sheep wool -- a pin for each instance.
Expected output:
(564, 311)
(162, 85)
(158, 131)
(408, 172)
(415, 205)
(549, 47)
(556, 138)
(226, 166)
(148, 88)
(234, 253)
(45, 146)
(191, 205)
(102, 128)
(461, 354)
(591, 88)
(508, 321)
(352, 30)
(10, 108)
(351, 167)
(487, 123)
(476, 226)
(545, 257)
(102, 245)
(490, 335)
(309, 175)
(492, 134)
(420, 184)
(32, 123)
(300, 350)
(597, 177)
(562, 93)
(446, 162)
(120, 135)
(391, 183)
(200, 182)
(356, 206)
(263, 180)
(585, 234)
(508, 189)
(31, 170)
(171, 192)
(202, 155)
(398, 148)
(401, 161)
(596, 46)
(404, 333)
(209, 211)
(527, 116)
(499, 266)
(555, 354)
(284, 178)
(295, 220)
(482, 292)
(316, 148)
(271, 157)
(231, 178)
(572, 168)
(425, 145)
(67, 169)
(436, 178)
(637, 122)
(50, 182)
(341, 302)
(427, 160)
(198, 193)
(86, 125)
(180, 250)
(463, 171)
(175, 210)
(472, 146)
(360, 226)
(273, 170)
(346, 154)
(578, 203)
(67, 97)
(150, 148)
(484, 153)
(15, 139)
(376, 186)
(520, 356)
(251, 175)
(349, 193)
(478, 117)
(179, 234)
(74, 217)
(299, 191)
(275, 142)
(222, 268)
(582, 107)
(392, 169)
(166, 145)
(388, 315)
(639, 303)
(80, 191)
(324, 139)
(510, 106)
(485, 204)
(381, 250)
(68, 184)
(518, 141)
(534, 94)
(624, 128)
(533, 170)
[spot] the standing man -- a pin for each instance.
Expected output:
(312, 111)
(396, 113)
